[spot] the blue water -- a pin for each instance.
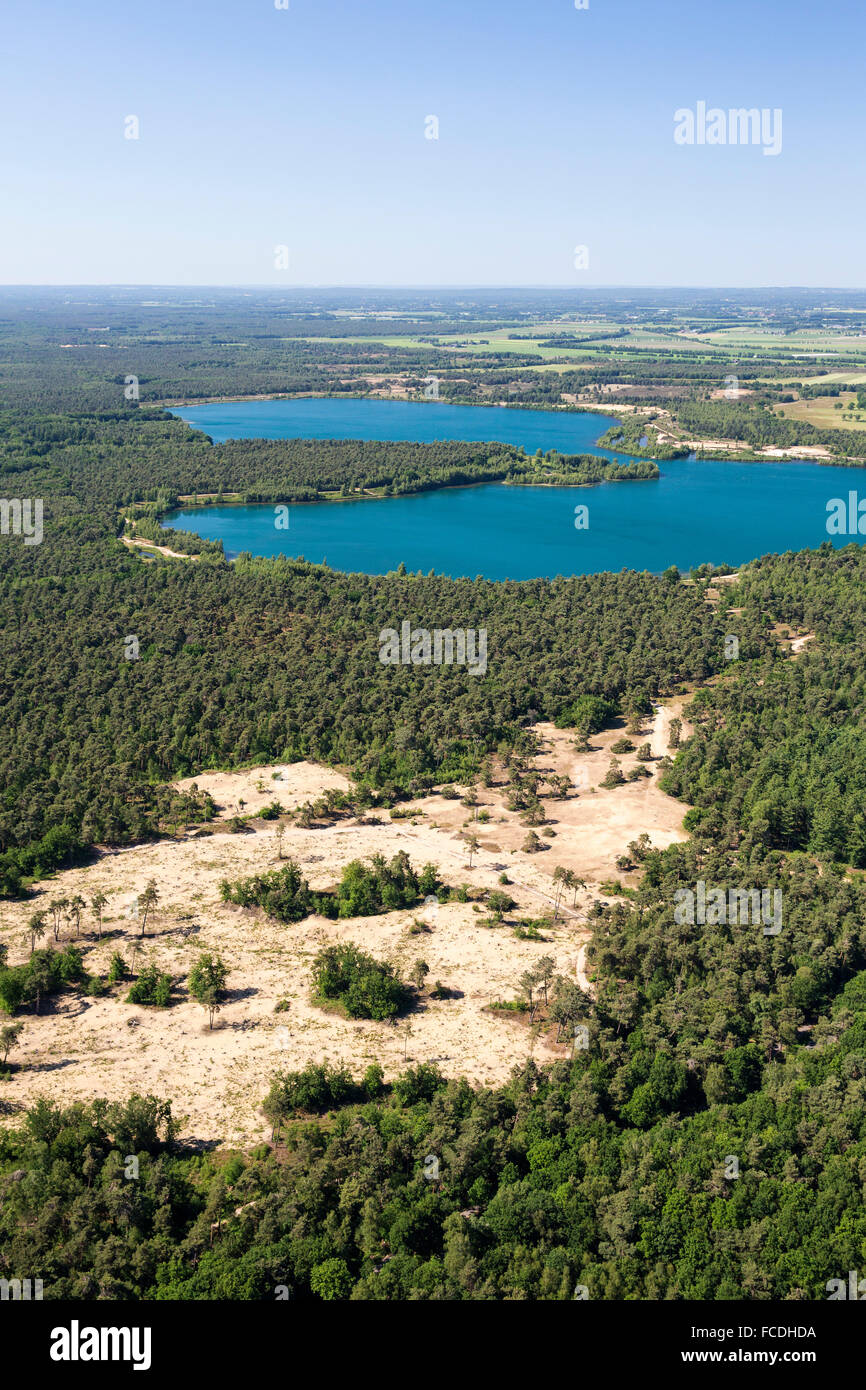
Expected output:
(695, 512)
(325, 418)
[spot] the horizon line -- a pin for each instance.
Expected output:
(374, 285)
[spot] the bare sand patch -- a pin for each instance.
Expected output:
(84, 1047)
(248, 790)
(141, 543)
(594, 824)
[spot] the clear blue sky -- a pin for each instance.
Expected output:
(262, 127)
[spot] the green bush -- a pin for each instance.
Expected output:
(45, 973)
(364, 987)
(118, 969)
(152, 987)
(363, 891)
(312, 1091)
(589, 713)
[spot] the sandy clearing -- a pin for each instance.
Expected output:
(216, 1080)
(807, 451)
(139, 543)
(248, 790)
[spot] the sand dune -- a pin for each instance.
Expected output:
(84, 1046)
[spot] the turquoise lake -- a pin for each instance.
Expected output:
(327, 418)
(695, 512)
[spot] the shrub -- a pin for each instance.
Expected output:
(590, 713)
(418, 1084)
(614, 777)
(312, 1091)
(499, 903)
(362, 986)
(45, 973)
(363, 890)
(118, 969)
(527, 928)
(152, 987)
(373, 1083)
(284, 894)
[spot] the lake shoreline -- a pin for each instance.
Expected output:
(527, 526)
(236, 500)
(707, 450)
(563, 408)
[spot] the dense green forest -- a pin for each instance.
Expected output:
(709, 1142)
(779, 754)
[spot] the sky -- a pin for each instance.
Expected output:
(291, 146)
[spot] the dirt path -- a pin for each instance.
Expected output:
(140, 543)
(580, 970)
(661, 729)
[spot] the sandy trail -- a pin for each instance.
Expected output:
(660, 736)
(580, 970)
(138, 542)
(661, 726)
